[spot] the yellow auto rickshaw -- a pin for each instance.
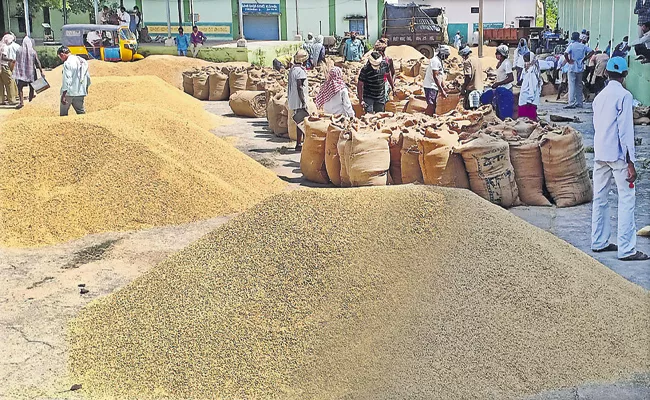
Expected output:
(101, 42)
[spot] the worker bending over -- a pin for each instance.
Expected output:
(614, 156)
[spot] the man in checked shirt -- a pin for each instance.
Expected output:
(642, 9)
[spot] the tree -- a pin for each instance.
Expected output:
(72, 6)
(551, 8)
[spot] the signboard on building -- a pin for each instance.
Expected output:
(488, 25)
(260, 8)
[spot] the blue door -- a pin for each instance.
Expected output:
(358, 25)
(261, 27)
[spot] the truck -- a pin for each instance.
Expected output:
(413, 25)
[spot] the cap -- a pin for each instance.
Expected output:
(617, 64)
(300, 56)
(465, 51)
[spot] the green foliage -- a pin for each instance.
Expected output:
(551, 13)
(48, 57)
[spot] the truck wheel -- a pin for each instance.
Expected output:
(426, 50)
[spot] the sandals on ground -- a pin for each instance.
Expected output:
(638, 256)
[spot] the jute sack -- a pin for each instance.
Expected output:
(344, 147)
(565, 167)
(200, 87)
(248, 104)
(438, 164)
(292, 128)
(396, 106)
(526, 159)
(188, 82)
(312, 157)
(219, 89)
(491, 175)
(395, 143)
(368, 159)
(443, 105)
(254, 77)
(332, 159)
(424, 64)
(411, 68)
(237, 80)
(277, 115)
(410, 158)
(416, 104)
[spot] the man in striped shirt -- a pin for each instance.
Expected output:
(371, 88)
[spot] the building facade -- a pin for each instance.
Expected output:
(608, 20)
(463, 14)
(219, 19)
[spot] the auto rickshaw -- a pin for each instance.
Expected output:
(106, 42)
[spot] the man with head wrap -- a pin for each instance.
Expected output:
(370, 87)
(317, 53)
(434, 79)
(522, 49)
(297, 94)
(380, 47)
(333, 97)
(25, 72)
(575, 54)
(473, 74)
(7, 60)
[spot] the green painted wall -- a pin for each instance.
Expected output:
(283, 19)
(609, 20)
(380, 14)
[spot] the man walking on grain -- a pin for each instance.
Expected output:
(76, 79)
(297, 94)
(614, 156)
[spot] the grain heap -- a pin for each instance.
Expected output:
(108, 92)
(388, 302)
(132, 166)
(508, 162)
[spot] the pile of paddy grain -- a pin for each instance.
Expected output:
(394, 292)
(132, 166)
(403, 52)
(106, 93)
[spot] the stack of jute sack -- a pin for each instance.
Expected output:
(508, 162)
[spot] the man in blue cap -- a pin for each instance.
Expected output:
(575, 55)
(614, 156)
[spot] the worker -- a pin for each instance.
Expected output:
(310, 38)
(94, 40)
(282, 63)
(197, 39)
(124, 17)
(641, 45)
(622, 49)
(522, 49)
(137, 26)
(104, 15)
(642, 9)
(317, 53)
(353, 48)
(76, 79)
(608, 49)
(182, 42)
(9, 88)
(614, 156)
(531, 88)
(575, 55)
(475, 38)
(333, 97)
(600, 74)
(380, 47)
(473, 77)
(458, 40)
(501, 96)
(434, 79)
(298, 93)
(25, 72)
(370, 87)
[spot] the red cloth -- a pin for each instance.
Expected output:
(331, 87)
(529, 111)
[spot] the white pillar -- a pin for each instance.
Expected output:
(611, 36)
(169, 21)
(27, 25)
(96, 10)
(629, 23)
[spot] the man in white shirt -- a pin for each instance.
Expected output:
(434, 79)
(75, 82)
(614, 156)
(124, 17)
(298, 93)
